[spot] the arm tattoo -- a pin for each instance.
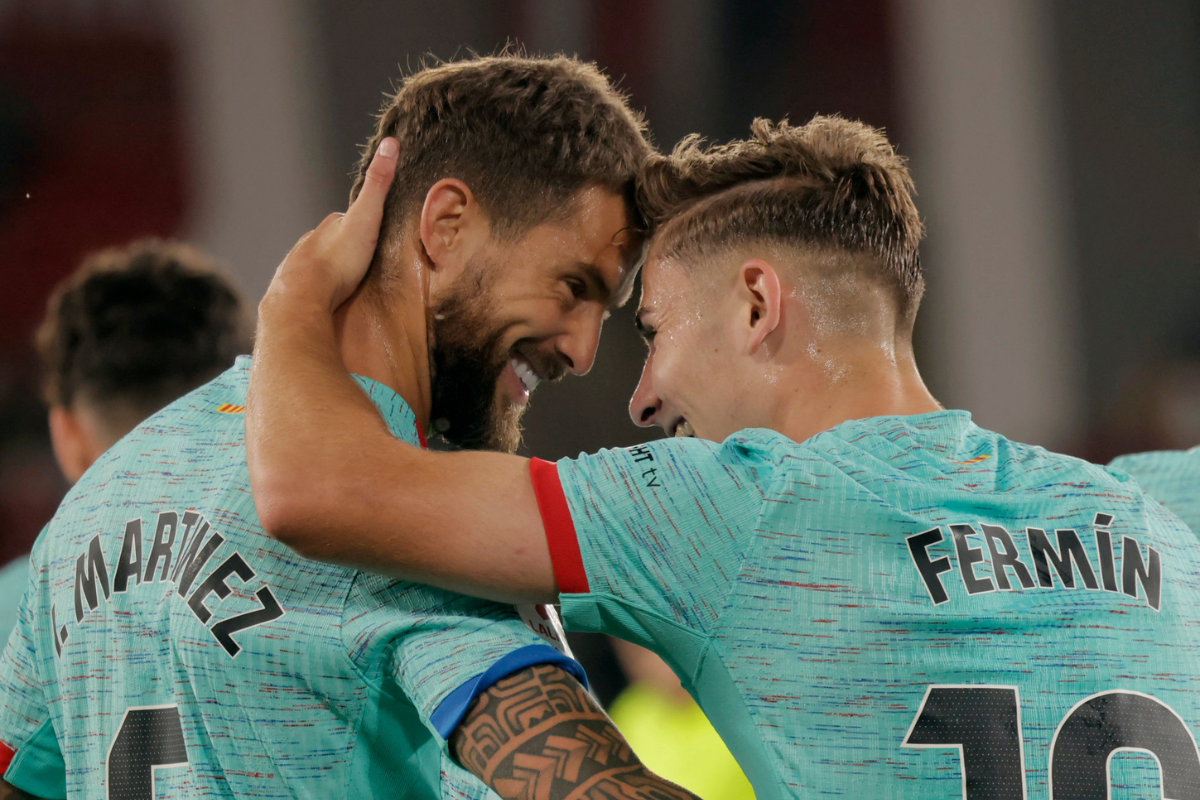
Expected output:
(10, 792)
(538, 735)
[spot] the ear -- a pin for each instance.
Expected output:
(450, 225)
(758, 284)
(71, 443)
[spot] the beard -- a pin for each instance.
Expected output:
(467, 356)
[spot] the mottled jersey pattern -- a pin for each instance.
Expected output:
(168, 648)
(900, 607)
(1172, 477)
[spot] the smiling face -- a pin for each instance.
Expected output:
(691, 383)
(523, 312)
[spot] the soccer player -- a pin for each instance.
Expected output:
(1171, 477)
(128, 332)
(868, 595)
(170, 648)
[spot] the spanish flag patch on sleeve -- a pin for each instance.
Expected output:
(230, 408)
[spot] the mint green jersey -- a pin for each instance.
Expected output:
(904, 608)
(1172, 477)
(168, 648)
(14, 577)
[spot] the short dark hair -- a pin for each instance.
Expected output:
(525, 133)
(833, 183)
(137, 327)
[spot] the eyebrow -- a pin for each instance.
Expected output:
(601, 289)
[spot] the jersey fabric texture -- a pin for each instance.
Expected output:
(169, 648)
(14, 577)
(899, 607)
(1172, 477)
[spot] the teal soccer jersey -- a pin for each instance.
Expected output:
(908, 608)
(1172, 477)
(168, 648)
(14, 577)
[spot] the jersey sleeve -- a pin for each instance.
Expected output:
(442, 649)
(659, 529)
(30, 757)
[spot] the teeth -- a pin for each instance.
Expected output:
(526, 374)
(684, 429)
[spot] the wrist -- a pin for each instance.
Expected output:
(291, 299)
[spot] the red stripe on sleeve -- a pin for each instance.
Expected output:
(421, 437)
(6, 756)
(560, 528)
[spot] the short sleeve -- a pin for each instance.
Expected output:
(30, 757)
(442, 649)
(662, 527)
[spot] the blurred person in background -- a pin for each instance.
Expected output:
(130, 331)
(1162, 404)
(665, 726)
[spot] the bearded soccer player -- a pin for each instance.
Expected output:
(868, 595)
(131, 330)
(170, 648)
(1171, 477)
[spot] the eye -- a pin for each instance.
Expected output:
(578, 288)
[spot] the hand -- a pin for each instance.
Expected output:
(328, 264)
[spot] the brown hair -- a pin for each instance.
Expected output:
(526, 134)
(830, 184)
(136, 327)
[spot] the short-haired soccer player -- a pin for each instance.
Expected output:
(171, 648)
(1172, 477)
(131, 330)
(869, 595)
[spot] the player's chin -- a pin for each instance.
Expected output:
(504, 428)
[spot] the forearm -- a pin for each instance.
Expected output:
(330, 481)
(540, 734)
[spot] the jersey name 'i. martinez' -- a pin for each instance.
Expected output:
(181, 547)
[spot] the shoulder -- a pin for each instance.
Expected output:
(1159, 462)
(749, 449)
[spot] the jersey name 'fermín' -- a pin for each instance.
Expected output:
(166, 647)
(1172, 477)
(899, 607)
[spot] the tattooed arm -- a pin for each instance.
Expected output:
(10, 792)
(538, 735)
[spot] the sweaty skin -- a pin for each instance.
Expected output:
(508, 752)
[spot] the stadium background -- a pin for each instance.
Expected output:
(1055, 145)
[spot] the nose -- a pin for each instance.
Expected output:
(577, 346)
(645, 405)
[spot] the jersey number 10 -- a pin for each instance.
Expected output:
(984, 724)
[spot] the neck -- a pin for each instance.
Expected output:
(870, 384)
(380, 342)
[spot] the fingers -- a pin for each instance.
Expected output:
(365, 215)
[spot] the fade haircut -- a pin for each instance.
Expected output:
(135, 328)
(524, 133)
(831, 185)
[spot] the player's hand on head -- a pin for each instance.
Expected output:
(328, 263)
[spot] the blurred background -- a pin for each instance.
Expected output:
(1055, 146)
